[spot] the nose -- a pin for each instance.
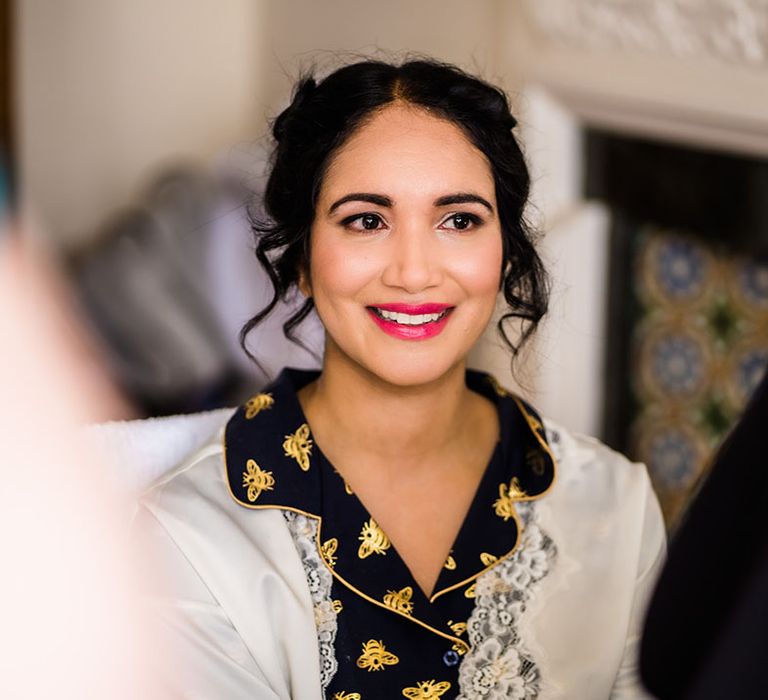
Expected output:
(413, 260)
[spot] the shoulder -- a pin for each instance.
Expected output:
(589, 469)
(225, 579)
(141, 452)
(195, 482)
(603, 500)
(175, 467)
(191, 512)
(608, 537)
(193, 502)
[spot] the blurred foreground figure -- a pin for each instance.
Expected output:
(706, 635)
(69, 623)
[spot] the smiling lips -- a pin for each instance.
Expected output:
(411, 321)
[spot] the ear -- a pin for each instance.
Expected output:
(303, 283)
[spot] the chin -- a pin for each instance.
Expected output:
(405, 364)
(414, 371)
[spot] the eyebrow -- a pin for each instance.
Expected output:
(379, 199)
(463, 198)
(383, 201)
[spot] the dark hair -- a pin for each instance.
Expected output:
(321, 118)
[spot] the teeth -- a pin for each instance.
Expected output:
(409, 319)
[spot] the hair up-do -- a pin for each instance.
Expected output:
(321, 118)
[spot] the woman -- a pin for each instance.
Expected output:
(396, 525)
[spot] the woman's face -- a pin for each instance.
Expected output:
(406, 248)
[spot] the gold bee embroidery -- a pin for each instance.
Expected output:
(427, 690)
(458, 627)
(346, 696)
(400, 600)
(257, 404)
(470, 592)
(373, 540)
(337, 606)
(498, 388)
(375, 656)
(299, 446)
(488, 559)
(504, 504)
(460, 649)
(536, 461)
(450, 563)
(329, 551)
(257, 480)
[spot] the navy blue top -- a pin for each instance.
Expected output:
(392, 640)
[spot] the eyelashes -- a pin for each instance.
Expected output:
(462, 221)
(370, 221)
(363, 222)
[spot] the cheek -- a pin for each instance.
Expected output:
(480, 272)
(339, 270)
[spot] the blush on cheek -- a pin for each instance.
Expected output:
(480, 270)
(338, 268)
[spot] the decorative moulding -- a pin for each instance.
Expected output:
(734, 31)
(692, 71)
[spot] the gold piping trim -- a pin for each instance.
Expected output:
(453, 587)
(318, 543)
(529, 419)
(531, 423)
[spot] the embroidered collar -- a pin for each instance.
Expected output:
(272, 462)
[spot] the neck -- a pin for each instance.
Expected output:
(400, 425)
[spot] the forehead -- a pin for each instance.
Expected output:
(405, 150)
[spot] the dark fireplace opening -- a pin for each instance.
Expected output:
(687, 313)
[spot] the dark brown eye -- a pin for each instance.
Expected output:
(460, 222)
(364, 222)
(370, 221)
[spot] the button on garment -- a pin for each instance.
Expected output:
(450, 658)
(379, 635)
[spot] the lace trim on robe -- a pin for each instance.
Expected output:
(320, 580)
(498, 665)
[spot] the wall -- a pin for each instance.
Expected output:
(110, 90)
(304, 32)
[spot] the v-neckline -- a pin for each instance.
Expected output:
(484, 485)
(480, 486)
(273, 462)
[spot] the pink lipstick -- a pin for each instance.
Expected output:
(411, 321)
